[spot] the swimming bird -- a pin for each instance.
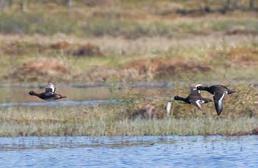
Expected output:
(219, 92)
(194, 98)
(49, 93)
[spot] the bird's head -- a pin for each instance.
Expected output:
(32, 93)
(195, 87)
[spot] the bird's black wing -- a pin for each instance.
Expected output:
(218, 101)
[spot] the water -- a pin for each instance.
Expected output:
(81, 94)
(146, 151)
(69, 103)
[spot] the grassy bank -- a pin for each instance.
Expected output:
(97, 121)
(131, 118)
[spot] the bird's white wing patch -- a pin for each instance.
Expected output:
(50, 88)
(199, 102)
(220, 100)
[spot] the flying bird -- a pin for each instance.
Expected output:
(219, 92)
(49, 94)
(194, 98)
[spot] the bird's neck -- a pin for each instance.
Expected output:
(35, 94)
(180, 98)
(203, 88)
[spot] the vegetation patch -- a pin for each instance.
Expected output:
(146, 111)
(87, 50)
(21, 48)
(161, 67)
(60, 45)
(241, 31)
(243, 55)
(41, 69)
(79, 50)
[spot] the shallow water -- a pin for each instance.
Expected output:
(81, 94)
(146, 151)
(69, 103)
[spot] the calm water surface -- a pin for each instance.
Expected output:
(172, 151)
(81, 94)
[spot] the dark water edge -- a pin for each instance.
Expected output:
(136, 151)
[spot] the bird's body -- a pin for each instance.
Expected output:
(49, 94)
(194, 98)
(219, 92)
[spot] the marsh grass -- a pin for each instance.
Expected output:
(187, 126)
(238, 118)
(104, 121)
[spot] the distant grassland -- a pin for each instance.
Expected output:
(106, 41)
(197, 58)
(130, 19)
(120, 24)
